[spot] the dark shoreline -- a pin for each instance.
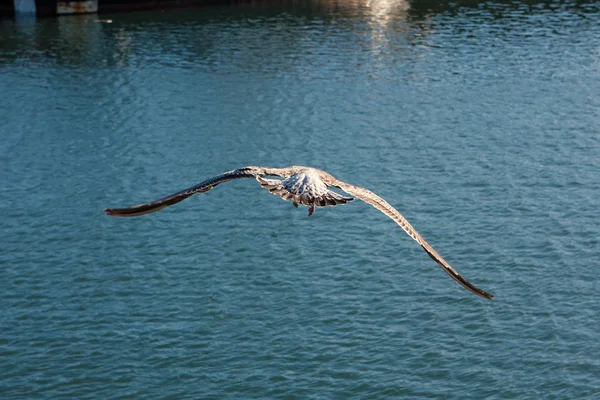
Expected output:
(48, 8)
(45, 8)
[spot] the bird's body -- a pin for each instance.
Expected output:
(307, 186)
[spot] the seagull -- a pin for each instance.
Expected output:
(309, 187)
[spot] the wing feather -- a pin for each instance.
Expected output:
(319, 198)
(383, 206)
(147, 208)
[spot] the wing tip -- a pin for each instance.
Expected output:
(115, 212)
(485, 295)
(472, 288)
(458, 277)
(131, 211)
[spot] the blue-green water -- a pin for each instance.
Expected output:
(479, 122)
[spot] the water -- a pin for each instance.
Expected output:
(24, 6)
(479, 122)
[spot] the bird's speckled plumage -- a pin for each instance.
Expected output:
(306, 186)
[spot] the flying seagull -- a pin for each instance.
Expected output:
(306, 186)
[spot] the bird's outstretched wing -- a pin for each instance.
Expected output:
(146, 208)
(383, 206)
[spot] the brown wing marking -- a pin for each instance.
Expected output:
(383, 206)
(147, 208)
